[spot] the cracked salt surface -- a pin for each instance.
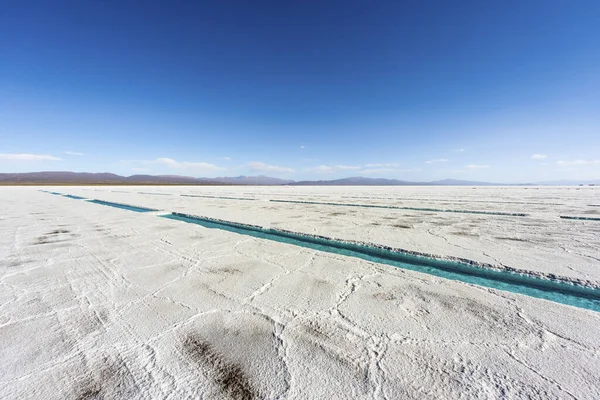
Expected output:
(553, 290)
(126, 305)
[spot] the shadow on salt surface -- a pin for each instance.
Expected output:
(553, 290)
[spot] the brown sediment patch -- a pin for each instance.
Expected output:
(402, 226)
(384, 296)
(464, 233)
(315, 330)
(42, 240)
(89, 390)
(226, 271)
(514, 239)
(229, 377)
(51, 237)
(57, 231)
(440, 223)
(110, 380)
(14, 263)
(337, 213)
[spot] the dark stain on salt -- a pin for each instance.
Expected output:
(229, 377)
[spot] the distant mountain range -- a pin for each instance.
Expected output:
(362, 181)
(105, 178)
(252, 180)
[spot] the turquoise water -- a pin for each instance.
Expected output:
(560, 292)
(156, 194)
(122, 206)
(217, 197)
(580, 218)
(72, 196)
(451, 200)
(402, 208)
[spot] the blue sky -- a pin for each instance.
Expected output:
(503, 91)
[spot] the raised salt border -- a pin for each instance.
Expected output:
(403, 208)
(462, 270)
(122, 206)
(100, 302)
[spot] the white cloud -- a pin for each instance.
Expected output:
(303, 147)
(335, 168)
(346, 167)
(182, 165)
(475, 166)
(226, 158)
(262, 167)
(27, 157)
(167, 161)
(74, 153)
(578, 162)
(377, 170)
(201, 165)
(459, 150)
(382, 165)
(538, 156)
(386, 170)
(436, 160)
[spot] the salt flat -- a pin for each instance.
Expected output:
(100, 302)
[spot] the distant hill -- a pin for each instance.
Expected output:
(106, 178)
(253, 180)
(457, 182)
(357, 181)
(61, 176)
(571, 182)
(82, 178)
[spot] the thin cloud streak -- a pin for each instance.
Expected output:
(335, 168)
(382, 165)
(28, 157)
(475, 166)
(262, 167)
(377, 171)
(181, 165)
(386, 170)
(578, 162)
(187, 164)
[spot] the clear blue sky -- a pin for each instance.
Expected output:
(417, 90)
